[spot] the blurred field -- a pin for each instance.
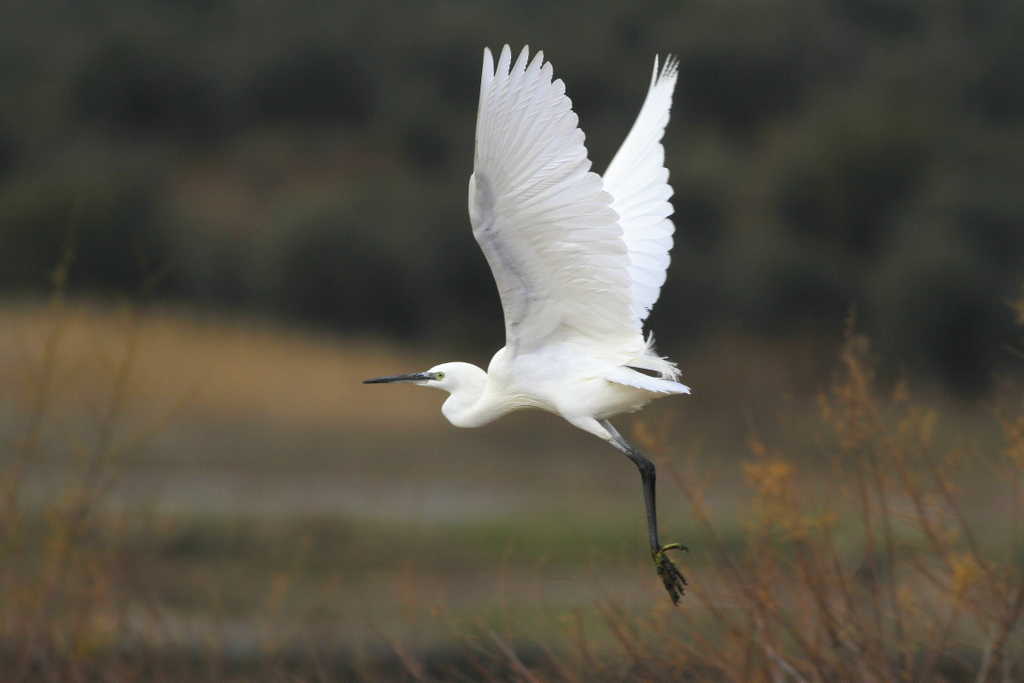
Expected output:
(200, 496)
(201, 489)
(244, 452)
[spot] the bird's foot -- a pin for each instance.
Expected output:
(669, 573)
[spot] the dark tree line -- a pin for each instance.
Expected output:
(309, 159)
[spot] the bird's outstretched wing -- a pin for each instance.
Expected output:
(542, 218)
(638, 181)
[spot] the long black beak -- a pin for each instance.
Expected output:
(415, 377)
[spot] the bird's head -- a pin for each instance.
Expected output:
(448, 376)
(465, 383)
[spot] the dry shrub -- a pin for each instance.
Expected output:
(880, 572)
(873, 555)
(66, 588)
(901, 564)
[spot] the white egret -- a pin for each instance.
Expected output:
(579, 261)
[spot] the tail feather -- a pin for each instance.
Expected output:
(650, 360)
(632, 378)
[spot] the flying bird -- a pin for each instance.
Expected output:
(579, 261)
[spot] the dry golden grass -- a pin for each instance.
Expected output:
(216, 366)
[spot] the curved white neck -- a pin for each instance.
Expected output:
(469, 404)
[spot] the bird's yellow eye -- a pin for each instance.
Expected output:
(438, 375)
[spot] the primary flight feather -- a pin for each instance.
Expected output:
(579, 261)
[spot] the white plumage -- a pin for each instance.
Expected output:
(638, 182)
(578, 260)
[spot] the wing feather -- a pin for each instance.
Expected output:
(543, 219)
(638, 181)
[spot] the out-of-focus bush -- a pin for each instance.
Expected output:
(110, 229)
(312, 88)
(824, 154)
(131, 92)
(335, 274)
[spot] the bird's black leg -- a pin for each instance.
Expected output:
(666, 568)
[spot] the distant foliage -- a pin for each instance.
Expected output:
(312, 88)
(131, 92)
(824, 154)
(330, 272)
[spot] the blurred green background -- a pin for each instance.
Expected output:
(282, 184)
(308, 161)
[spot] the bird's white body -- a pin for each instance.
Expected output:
(578, 390)
(578, 259)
